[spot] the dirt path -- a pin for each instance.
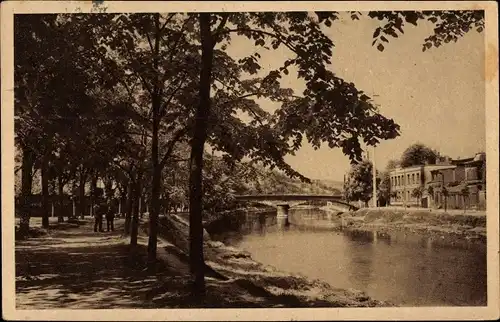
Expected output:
(77, 268)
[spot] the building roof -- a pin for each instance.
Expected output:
(462, 161)
(414, 167)
(432, 167)
(474, 162)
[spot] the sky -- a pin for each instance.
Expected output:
(437, 97)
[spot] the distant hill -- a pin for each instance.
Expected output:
(268, 181)
(330, 184)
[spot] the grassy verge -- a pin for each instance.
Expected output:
(458, 224)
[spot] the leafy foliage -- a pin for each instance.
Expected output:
(359, 182)
(418, 154)
(384, 186)
(449, 25)
(417, 192)
(430, 191)
(392, 164)
(330, 110)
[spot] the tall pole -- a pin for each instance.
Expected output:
(374, 184)
(442, 192)
(404, 188)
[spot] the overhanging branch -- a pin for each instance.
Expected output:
(177, 136)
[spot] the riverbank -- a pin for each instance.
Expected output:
(77, 268)
(470, 226)
(264, 286)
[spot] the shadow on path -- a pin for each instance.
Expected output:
(78, 268)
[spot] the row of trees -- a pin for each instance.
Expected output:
(126, 97)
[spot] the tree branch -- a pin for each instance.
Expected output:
(177, 136)
(218, 31)
(150, 91)
(239, 98)
(172, 15)
(164, 105)
(150, 43)
(174, 50)
(275, 35)
(136, 71)
(129, 91)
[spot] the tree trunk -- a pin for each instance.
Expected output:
(167, 205)
(108, 187)
(26, 188)
(196, 259)
(129, 207)
(154, 210)
(60, 215)
(81, 189)
(134, 229)
(45, 192)
(155, 190)
(93, 188)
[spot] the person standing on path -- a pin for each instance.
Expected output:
(100, 209)
(110, 216)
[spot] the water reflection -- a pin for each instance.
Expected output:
(283, 223)
(360, 252)
(403, 267)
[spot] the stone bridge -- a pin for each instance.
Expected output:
(284, 201)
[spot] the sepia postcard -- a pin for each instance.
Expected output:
(247, 160)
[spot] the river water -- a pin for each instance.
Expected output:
(405, 269)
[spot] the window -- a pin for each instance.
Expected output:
(413, 178)
(418, 178)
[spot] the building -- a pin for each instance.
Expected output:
(421, 185)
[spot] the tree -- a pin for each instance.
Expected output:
(359, 182)
(131, 161)
(384, 187)
(392, 164)
(417, 193)
(150, 57)
(324, 114)
(450, 25)
(328, 100)
(31, 81)
(430, 192)
(63, 168)
(417, 154)
(45, 64)
(74, 130)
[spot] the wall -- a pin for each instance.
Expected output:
(403, 182)
(460, 173)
